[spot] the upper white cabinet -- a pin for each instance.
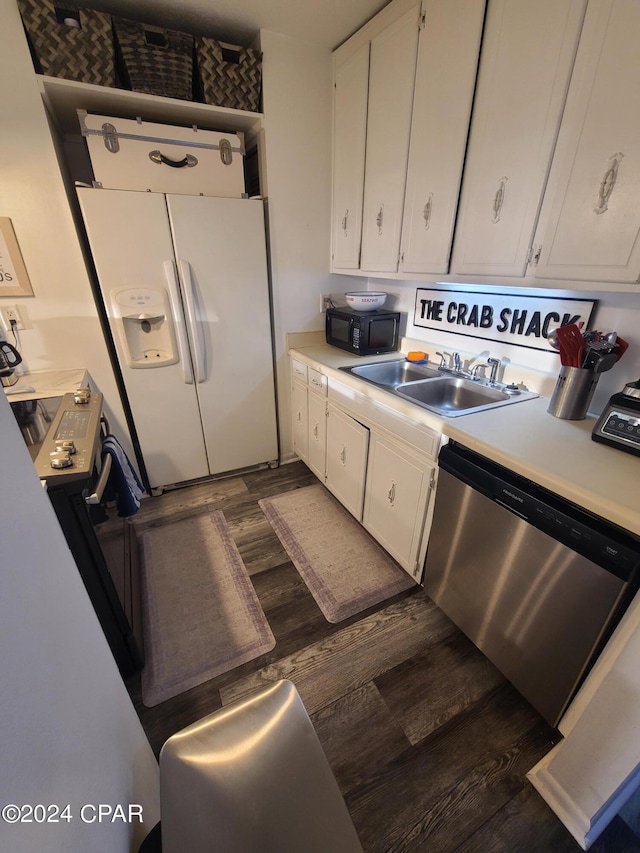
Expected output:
(527, 57)
(392, 70)
(445, 80)
(403, 93)
(590, 222)
(351, 86)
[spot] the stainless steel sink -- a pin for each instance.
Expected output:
(389, 374)
(454, 395)
(442, 393)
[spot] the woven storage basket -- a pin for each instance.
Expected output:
(83, 53)
(154, 60)
(229, 76)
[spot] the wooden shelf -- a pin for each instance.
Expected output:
(63, 97)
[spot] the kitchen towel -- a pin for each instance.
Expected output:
(123, 485)
(201, 614)
(343, 566)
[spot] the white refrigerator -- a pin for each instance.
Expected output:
(185, 288)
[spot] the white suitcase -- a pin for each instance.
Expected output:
(129, 154)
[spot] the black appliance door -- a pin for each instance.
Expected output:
(112, 593)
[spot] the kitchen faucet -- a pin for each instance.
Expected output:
(455, 366)
(455, 363)
(493, 363)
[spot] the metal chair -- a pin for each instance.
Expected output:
(252, 778)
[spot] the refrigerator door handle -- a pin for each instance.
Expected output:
(196, 336)
(178, 321)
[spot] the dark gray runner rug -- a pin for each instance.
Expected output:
(345, 569)
(201, 615)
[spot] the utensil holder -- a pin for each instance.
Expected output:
(573, 393)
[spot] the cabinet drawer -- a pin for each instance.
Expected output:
(298, 370)
(317, 381)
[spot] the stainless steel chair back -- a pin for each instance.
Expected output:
(252, 778)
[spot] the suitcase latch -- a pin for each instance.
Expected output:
(225, 152)
(110, 137)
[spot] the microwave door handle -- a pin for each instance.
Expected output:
(178, 322)
(195, 328)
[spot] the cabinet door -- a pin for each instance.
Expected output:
(590, 223)
(317, 434)
(300, 420)
(351, 86)
(448, 52)
(527, 57)
(398, 488)
(347, 444)
(391, 78)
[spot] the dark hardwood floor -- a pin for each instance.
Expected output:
(429, 744)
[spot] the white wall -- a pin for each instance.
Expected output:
(297, 92)
(63, 330)
(68, 730)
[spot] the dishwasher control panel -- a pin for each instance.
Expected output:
(610, 547)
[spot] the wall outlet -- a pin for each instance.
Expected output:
(11, 319)
(325, 302)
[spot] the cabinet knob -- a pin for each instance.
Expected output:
(391, 494)
(343, 454)
(345, 222)
(427, 211)
(498, 199)
(380, 219)
(607, 184)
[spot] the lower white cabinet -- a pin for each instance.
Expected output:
(317, 456)
(300, 420)
(398, 488)
(309, 416)
(378, 463)
(347, 445)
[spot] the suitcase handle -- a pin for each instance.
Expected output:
(159, 158)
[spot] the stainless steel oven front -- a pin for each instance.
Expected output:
(64, 437)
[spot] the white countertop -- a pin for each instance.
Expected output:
(557, 454)
(46, 383)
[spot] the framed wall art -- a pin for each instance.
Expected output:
(14, 280)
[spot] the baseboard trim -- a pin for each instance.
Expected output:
(584, 829)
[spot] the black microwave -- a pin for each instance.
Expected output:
(363, 333)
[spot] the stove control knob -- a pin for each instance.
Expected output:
(66, 446)
(82, 395)
(60, 459)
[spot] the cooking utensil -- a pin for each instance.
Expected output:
(604, 363)
(620, 348)
(571, 345)
(552, 338)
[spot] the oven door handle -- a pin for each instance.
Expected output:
(101, 485)
(105, 470)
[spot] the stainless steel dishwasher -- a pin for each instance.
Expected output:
(537, 583)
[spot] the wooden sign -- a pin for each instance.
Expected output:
(521, 320)
(14, 280)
